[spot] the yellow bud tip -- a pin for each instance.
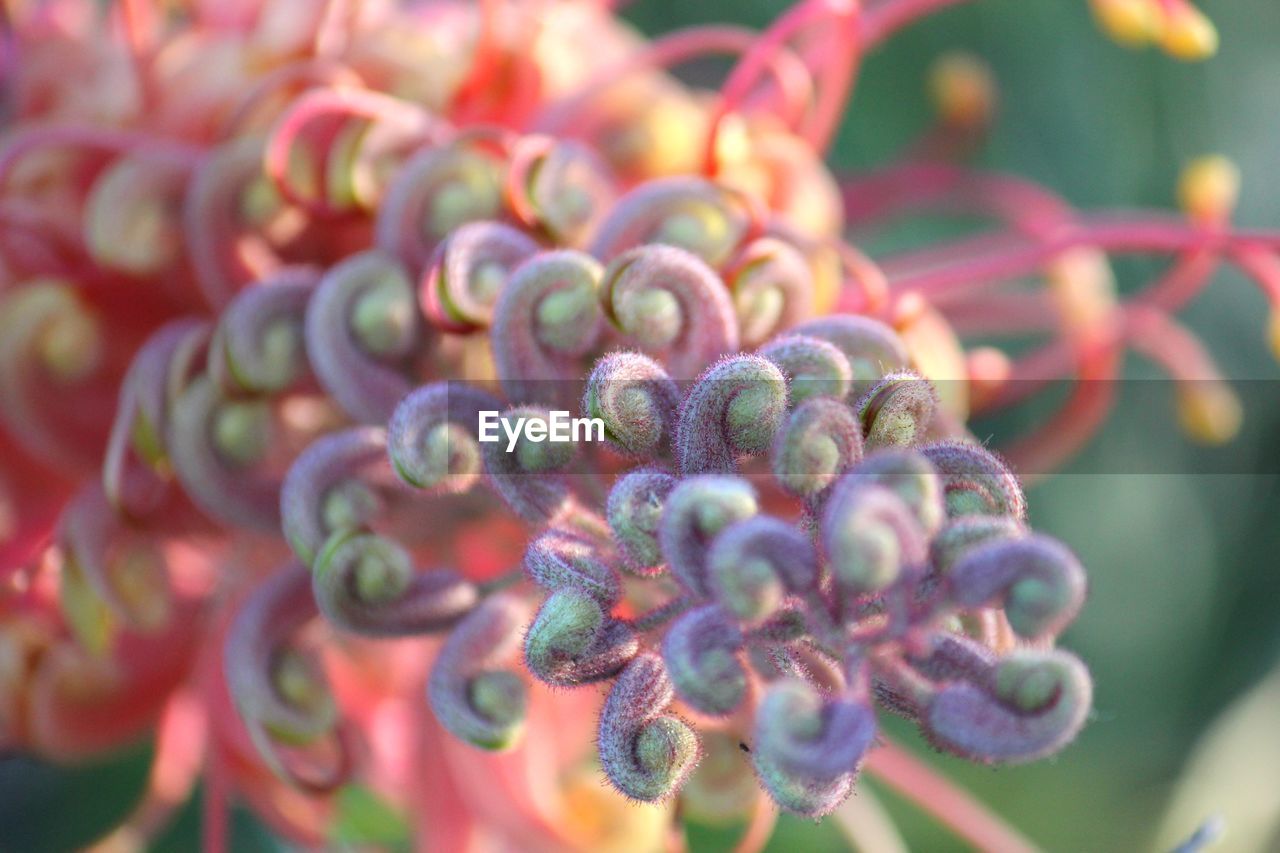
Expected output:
(962, 89)
(1133, 23)
(1273, 334)
(1189, 35)
(1209, 412)
(1209, 188)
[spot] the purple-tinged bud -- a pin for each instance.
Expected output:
(975, 481)
(527, 477)
(636, 399)
(701, 652)
(366, 584)
(813, 367)
(690, 213)
(647, 754)
(695, 512)
(960, 535)
(364, 334)
(471, 692)
(897, 412)
(755, 563)
(573, 641)
(907, 474)
(873, 349)
(772, 286)
(546, 319)
(817, 443)
(870, 536)
(560, 187)
(258, 347)
(432, 439)
(671, 304)
(1035, 704)
(634, 512)
(556, 560)
(734, 409)
(807, 748)
(1037, 580)
(469, 271)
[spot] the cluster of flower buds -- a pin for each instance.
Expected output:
(268, 271)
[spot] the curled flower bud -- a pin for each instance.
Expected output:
(689, 213)
(432, 438)
(1038, 581)
(547, 317)
(960, 535)
(526, 475)
(647, 754)
(975, 481)
(556, 560)
(672, 304)
(734, 409)
(696, 510)
(818, 442)
(366, 584)
(754, 563)
(258, 346)
(910, 476)
(808, 748)
(471, 695)
(701, 652)
(363, 333)
(872, 348)
(637, 401)
(468, 273)
(573, 641)
(1034, 704)
(634, 512)
(560, 186)
(772, 286)
(870, 535)
(898, 410)
(813, 367)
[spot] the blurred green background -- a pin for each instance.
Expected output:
(1182, 618)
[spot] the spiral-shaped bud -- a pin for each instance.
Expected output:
(813, 367)
(573, 641)
(870, 536)
(526, 475)
(817, 443)
(772, 286)
(755, 563)
(695, 512)
(434, 192)
(701, 652)
(1033, 705)
(364, 334)
(975, 481)
(258, 346)
(898, 410)
(634, 511)
(910, 476)
(129, 222)
(433, 436)
(734, 409)
(671, 304)
(807, 748)
(690, 213)
(647, 753)
(556, 560)
(961, 535)
(546, 319)
(468, 273)
(872, 348)
(637, 401)
(366, 584)
(560, 187)
(1037, 580)
(473, 692)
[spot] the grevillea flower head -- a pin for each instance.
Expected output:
(274, 276)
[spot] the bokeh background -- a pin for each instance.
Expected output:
(1182, 629)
